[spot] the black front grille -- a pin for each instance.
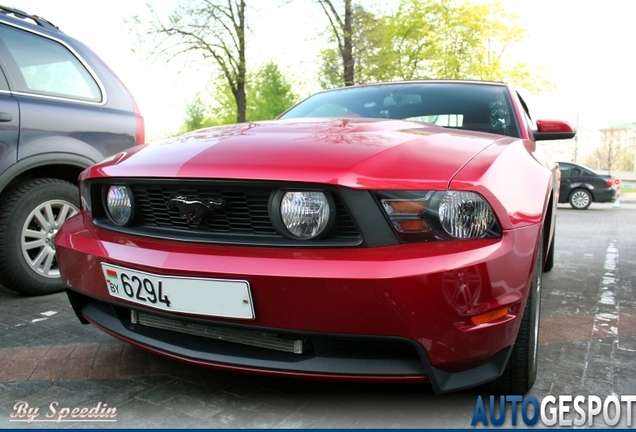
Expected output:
(244, 218)
(245, 212)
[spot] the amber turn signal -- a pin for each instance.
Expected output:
(395, 207)
(411, 226)
(490, 316)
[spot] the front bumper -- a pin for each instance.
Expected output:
(397, 313)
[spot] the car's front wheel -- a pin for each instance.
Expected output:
(549, 260)
(33, 212)
(580, 199)
(521, 371)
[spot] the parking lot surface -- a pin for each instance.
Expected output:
(587, 347)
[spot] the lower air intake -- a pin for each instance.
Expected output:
(271, 341)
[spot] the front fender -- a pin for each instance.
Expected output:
(60, 144)
(516, 185)
(41, 160)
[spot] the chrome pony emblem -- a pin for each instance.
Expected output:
(193, 211)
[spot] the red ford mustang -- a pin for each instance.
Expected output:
(386, 232)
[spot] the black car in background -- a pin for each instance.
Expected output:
(581, 186)
(61, 110)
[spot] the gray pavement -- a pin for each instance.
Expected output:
(587, 346)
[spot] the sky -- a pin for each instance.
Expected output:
(586, 48)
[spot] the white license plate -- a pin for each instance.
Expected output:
(212, 297)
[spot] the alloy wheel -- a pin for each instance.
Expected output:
(580, 199)
(37, 238)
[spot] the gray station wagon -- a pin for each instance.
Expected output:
(61, 110)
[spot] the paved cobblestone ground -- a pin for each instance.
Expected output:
(587, 346)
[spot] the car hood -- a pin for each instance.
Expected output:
(359, 153)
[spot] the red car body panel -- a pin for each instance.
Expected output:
(425, 293)
(380, 287)
(493, 173)
(353, 153)
(392, 159)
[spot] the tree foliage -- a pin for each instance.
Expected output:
(625, 160)
(341, 26)
(197, 116)
(212, 29)
(611, 154)
(369, 52)
(439, 39)
(268, 93)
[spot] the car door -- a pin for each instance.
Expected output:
(569, 174)
(62, 101)
(9, 126)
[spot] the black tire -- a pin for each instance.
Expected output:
(521, 371)
(580, 199)
(32, 213)
(549, 261)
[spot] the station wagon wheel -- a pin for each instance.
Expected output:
(580, 199)
(34, 212)
(37, 238)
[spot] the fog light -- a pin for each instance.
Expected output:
(306, 215)
(119, 205)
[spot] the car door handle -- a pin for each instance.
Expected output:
(5, 117)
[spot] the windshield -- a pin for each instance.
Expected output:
(479, 107)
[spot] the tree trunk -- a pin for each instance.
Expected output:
(241, 100)
(342, 31)
(347, 49)
(214, 28)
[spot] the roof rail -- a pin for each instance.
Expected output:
(9, 11)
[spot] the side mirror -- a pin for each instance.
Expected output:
(553, 130)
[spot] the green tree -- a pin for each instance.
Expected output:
(439, 39)
(269, 94)
(472, 41)
(626, 160)
(412, 35)
(341, 26)
(224, 107)
(213, 29)
(369, 52)
(609, 153)
(197, 116)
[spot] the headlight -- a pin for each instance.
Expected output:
(302, 215)
(428, 215)
(465, 215)
(119, 206)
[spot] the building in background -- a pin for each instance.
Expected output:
(574, 150)
(617, 149)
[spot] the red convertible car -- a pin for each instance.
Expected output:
(390, 232)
